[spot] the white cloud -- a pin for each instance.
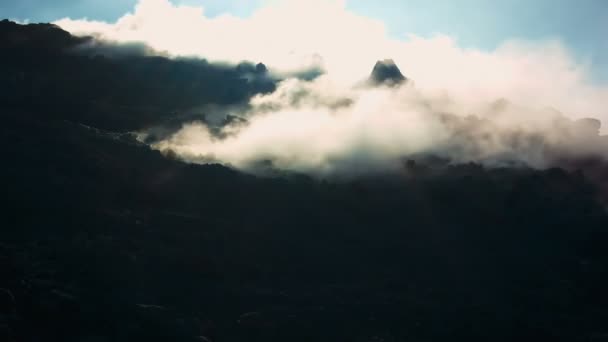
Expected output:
(314, 134)
(290, 35)
(321, 128)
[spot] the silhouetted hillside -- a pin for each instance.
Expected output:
(43, 39)
(104, 239)
(44, 68)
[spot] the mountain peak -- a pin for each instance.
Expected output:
(387, 72)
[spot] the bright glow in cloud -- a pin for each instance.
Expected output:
(302, 126)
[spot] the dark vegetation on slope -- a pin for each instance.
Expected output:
(45, 69)
(103, 239)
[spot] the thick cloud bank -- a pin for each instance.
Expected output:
(318, 128)
(452, 107)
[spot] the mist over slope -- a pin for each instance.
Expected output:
(318, 128)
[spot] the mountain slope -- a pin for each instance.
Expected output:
(104, 239)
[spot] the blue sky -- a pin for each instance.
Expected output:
(582, 25)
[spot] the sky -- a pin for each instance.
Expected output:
(582, 25)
